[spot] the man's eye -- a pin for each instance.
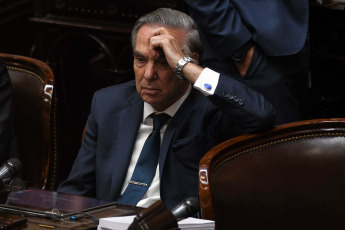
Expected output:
(162, 62)
(139, 59)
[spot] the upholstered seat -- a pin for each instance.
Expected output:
(292, 177)
(32, 83)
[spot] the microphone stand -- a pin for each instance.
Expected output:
(156, 217)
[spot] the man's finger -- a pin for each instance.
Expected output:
(160, 31)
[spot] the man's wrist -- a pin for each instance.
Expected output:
(241, 53)
(181, 63)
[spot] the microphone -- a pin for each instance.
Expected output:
(187, 208)
(10, 168)
(157, 216)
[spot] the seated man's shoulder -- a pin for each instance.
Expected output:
(123, 89)
(116, 96)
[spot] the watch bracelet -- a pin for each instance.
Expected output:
(179, 66)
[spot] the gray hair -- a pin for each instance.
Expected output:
(173, 19)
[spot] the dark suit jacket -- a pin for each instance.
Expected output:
(278, 27)
(8, 141)
(200, 123)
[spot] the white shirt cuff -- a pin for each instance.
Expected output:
(207, 82)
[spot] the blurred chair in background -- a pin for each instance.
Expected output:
(291, 177)
(32, 83)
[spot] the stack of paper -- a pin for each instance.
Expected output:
(115, 223)
(123, 222)
(196, 224)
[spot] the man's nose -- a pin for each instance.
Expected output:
(150, 72)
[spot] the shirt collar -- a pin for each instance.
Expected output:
(171, 110)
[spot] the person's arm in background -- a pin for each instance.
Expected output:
(223, 27)
(221, 23)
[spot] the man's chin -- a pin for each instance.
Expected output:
(150, 99)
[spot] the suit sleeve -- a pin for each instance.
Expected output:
(221, 24)
(248, 110)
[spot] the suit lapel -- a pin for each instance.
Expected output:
(175, 122)
(129, 122)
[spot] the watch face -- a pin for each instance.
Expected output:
(183, 62)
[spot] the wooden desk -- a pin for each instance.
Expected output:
(40, 223)
(31, 203)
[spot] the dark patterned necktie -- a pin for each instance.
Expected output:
(146, 166)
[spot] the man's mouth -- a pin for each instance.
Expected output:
(150, 90)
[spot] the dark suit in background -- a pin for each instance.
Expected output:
(8, 142)
(278, 29)
(200, 123)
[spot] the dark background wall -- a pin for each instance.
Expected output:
(86, 43)
(16, 36)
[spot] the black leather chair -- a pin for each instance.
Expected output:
(291, 177)
(32, 83)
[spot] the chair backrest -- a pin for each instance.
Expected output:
(32, 82)
(291, 177)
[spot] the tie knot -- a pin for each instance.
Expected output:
(159, 120)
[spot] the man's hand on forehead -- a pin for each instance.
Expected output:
(157, 52)
(164, 44)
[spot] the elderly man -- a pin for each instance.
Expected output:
(201, 109)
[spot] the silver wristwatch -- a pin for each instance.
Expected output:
(181, 63)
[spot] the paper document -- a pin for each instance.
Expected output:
(123, 222)
(115, 223)
(196, 224)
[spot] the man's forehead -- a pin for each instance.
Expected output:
(156, 56)
(147, 31)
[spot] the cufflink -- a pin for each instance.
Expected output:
(207, 86)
